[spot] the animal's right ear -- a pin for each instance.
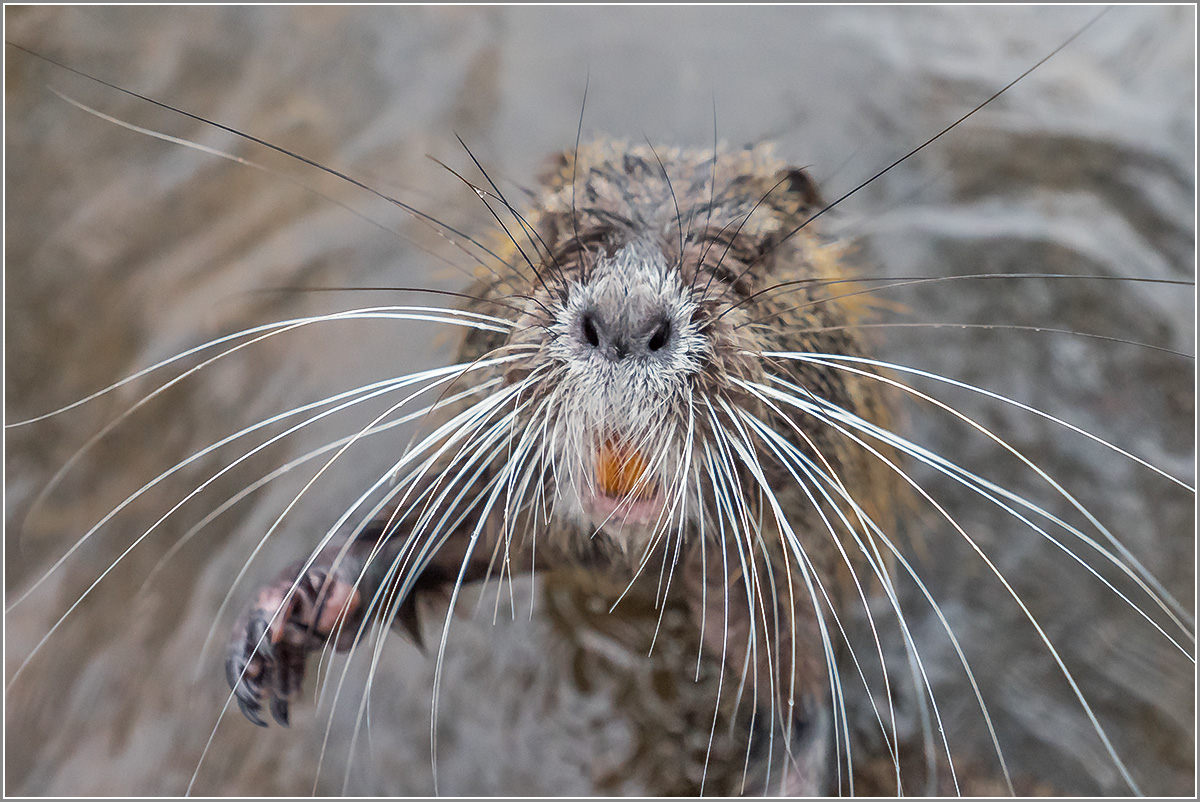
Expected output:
(797, 183)
(557, 172)
(555, 175)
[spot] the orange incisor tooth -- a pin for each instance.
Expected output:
(620, 471)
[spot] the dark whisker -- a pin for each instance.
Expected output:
(483, 198)
(892, 282)
(291, 180)
(674, 201)
(712, 195)
(941, 133)
(737, 231)
(530, 232)
(989, 326)
(251, 138)
(575, 153)
(475, 299)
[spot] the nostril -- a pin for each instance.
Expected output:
(620, 336)
(661, 334)
(589, 331)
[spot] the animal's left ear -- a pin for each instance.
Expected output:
(800, 187)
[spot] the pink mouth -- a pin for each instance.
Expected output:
(645, 508)
(624, 491)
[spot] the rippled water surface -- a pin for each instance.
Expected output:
(122, 249)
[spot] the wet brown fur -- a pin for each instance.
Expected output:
(768, 282)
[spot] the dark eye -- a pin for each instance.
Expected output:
(589, 331)
(660, 336)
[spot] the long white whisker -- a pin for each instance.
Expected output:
(454, 317)
(818, 479)
(1163, 596)
(390, 595)
(408, 457)
(788, 458)
(493, 496)
(411, 378)
(1012, 593)
(437, 536)
(340, 446)
(291, 465)
(463, 426)
(427, 314)
(279, 327)
(730, 500)
(745, 451)
(335, 445)
(990, 491)
(379, 388)
(718, 506)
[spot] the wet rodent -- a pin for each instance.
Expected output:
(987, 348)
(634, 322)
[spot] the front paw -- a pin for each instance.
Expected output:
(289, 618)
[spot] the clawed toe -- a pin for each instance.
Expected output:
(279, 710)
(289, 619)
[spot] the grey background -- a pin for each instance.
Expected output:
(122, 250)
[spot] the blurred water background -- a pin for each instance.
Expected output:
(122, 250)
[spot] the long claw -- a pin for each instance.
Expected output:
(289, 618)
(279, 710)
(250, 710)
(258, 641)
(406, 616)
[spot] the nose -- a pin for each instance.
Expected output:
(629, 334)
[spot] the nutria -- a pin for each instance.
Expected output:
(641, 390)
(995, 162)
